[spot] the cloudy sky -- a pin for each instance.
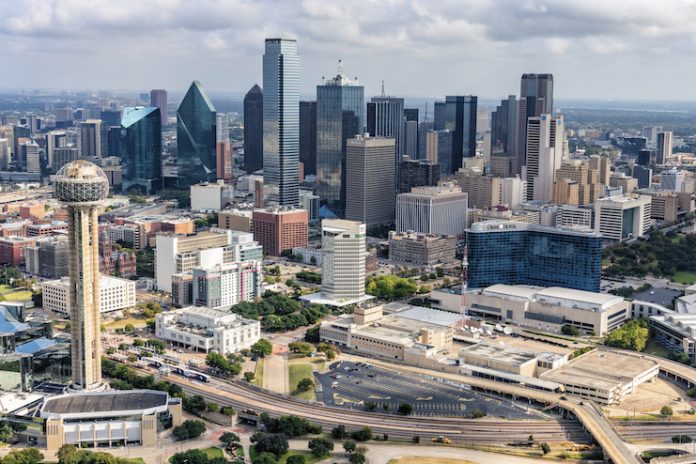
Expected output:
(596, 49)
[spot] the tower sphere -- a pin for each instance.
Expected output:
(81, 183)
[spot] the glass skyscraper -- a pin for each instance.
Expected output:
(253, 129)
(339, 117)
(195, 136)
(308, 136)
(141, 148)
(281, 121)
(460, 119)
(514, 253)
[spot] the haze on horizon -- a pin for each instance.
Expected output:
(596, 49)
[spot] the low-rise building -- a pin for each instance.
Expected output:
(211, 196)
(676, 332)
(604, 376)
(235, 219)
(12, 249)
(227, 284)
(204, 329)
(547, 309)
(422, 249)
(115, 294)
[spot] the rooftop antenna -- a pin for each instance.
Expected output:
(340, 67)
(382, 87)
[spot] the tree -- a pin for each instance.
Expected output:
(568, 329)
(262, 348)
(129, 328)
(193, 456)
(229, 439)
(357, 458)
(65, 452)
(249, 376)
(349, 446)
(416, 439)
(320, 447)
(6, 432)
(296, 459)
(666, 411)
(405, 409)
(339, 432)
(545, 448)
(301, 348)
(477, 413)
(305, 384)
(264, 458)
(213, 407)
(195, 404)
(364, 434)
(189, 429)
(275, 444)
(24, 456)
(227, 410)
(677, 439)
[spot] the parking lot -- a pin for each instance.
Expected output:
(353, 385)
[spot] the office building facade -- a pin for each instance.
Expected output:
(343, 260)
(195, 135)
(339, 118)
(158, 98)
(280, 229)
(370, 190)
(460, 119)
(141, 149)
(545, 136)
(225, 285)
(418, 173)
(281, 121)
(432, 210)
(664, 147)
(308, 136)
(536, 98)
(516, 253)
(253, 129)
(619, 218)
(385, 118)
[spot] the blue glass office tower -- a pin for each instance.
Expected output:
(281, 121)
(460, 119)
(253, 129)
(141, 148)
(504, 252)
(195, 138)
(339, 118)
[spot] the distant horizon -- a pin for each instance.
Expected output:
(618, 50)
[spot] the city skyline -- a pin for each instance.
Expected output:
(584, 46)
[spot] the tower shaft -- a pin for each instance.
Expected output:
(85, 340)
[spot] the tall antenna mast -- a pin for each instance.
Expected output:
(340, 67)
(382, 87)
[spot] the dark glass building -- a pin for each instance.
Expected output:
(418, 173)
(460, 119)
(514, 253)
(253, 129)
(439, 116)
(113, 141)
(195, 136)
(141, 149)
(339, 118)
(536, 98)
(308, 136)
(111, 117)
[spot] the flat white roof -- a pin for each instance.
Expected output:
(519, 291)
(600, 299)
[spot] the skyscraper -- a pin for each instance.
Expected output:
(253, 129)
(545, 136)
(370, 190)
(385, 118)
(158, 98)
(536, 98)
(141, 148)
(308, 136)
(460, 119)
(439, 115)
(664, 147)
(410, 133)
(195, 135)
(92, 139)
(504, 126)
(281, 120)
(343, 264)
(339, 118)
(82, 186)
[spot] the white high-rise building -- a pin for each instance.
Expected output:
(664, 147)
(672, 179)
(432, 210)
(343, 263)
(513, 192)
(115, 294)
(545, 135)
(621, 218)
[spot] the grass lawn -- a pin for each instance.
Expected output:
(5, 288)
(137, 323)
(258, 373)
(420, 460)
(21, 295)
(296, 372)
(214, 452)
(684, 277)
(656, 349)
(137, 461)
